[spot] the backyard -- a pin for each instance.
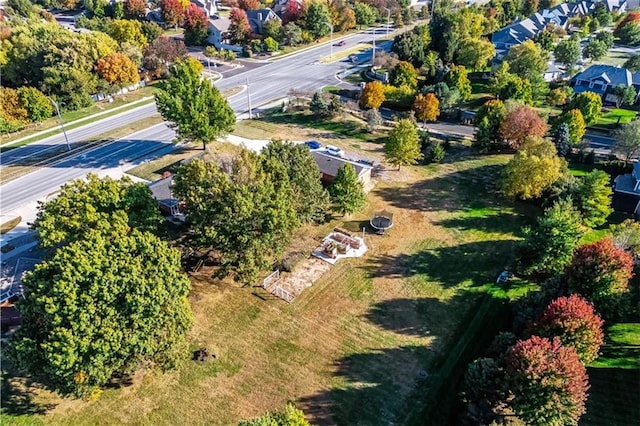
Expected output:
(364, 344)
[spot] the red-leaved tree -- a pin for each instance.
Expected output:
(248, 4)
(135, 8)
(162, 52)
(548, 382)
(195, 25)
(172, 12)
(292, 12)
(520, 124)
(601, 272)
(239, 29)
(574, 321)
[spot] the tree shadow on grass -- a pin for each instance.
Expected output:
(446, 192)
(488, 220)
(449, 266)
(613, 397)
(18, 395)
(408, 383)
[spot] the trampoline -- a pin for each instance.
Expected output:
(381, 221)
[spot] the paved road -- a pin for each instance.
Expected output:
(43, 182)
(302, 71)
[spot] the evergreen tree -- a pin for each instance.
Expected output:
(318, 106)
(562, 140)
(346, 192)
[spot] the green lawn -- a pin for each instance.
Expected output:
(382, 339)
(614, 58)
(615, 379)
(614, 117)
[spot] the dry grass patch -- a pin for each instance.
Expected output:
(352, 348)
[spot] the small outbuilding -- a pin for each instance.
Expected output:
(161, 190)
(329, 166)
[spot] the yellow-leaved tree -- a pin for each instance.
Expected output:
(372, 95)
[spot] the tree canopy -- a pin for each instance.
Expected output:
(573, 320)
(310, 198)
(244, 212)
(403, 144)
(601, 272)
(100, 306)
(98, 204)
(404, 74)
(548, 245)
(576, 125)
(591, 195)
(426, 107)
(627, 141)
(548, 382)
(534, 168)
(194, 106)
(520, 124)
(372, 95)
(527, 59)
(346, 191)
(567, 52)
(589, 104)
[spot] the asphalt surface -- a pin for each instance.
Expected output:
(266, 82)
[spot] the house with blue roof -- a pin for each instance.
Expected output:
(601, 79)
(626, 192)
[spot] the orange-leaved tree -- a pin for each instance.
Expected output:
(520, 124)
(372, 95)
(117, 69)
(427, 107)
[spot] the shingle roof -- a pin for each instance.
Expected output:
(329, 165)
(610, 74)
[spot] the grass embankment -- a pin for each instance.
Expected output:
(121, 102)
(353, 348)
(615, 379)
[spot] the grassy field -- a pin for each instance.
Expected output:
(377, 340)
(615, 379)
(615, 117)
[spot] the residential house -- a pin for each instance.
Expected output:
(601, 79)
(626, 192)
(553, 73)
(258, 17)
(280, 6)
(218, 30)
(208, 6)
(329, 165)
(616, 5)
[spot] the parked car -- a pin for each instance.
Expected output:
(313, 144)
(334, 150)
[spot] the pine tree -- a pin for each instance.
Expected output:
(318, 106)
(562, 140)
(347, 193)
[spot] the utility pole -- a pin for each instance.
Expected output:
(249, 98)
(373, 55)
(55, 104)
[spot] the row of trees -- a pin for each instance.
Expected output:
(537, 371)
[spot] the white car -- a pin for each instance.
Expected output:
(334, 150)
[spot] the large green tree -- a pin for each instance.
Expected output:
(488, 120)
(365, 14)
(413, 46)
(527, 59)
(534, 168)
(567, 52)
(591, 195)
(245, 212)
(475, 53)
(627, 141)
(318, 20)
(194, 106)
(404, 74)
(346, 191)
(589, 104)
(102, 305)
(310, 198)
(548, 245)
(403, 144)
(98, 204)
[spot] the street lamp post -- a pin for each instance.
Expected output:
(55, 104)
(388, 18)
(249, 99)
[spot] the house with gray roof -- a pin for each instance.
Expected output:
(329, 165)
(601, 79)
(258, 17)
(162, 191)
(626, 192)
